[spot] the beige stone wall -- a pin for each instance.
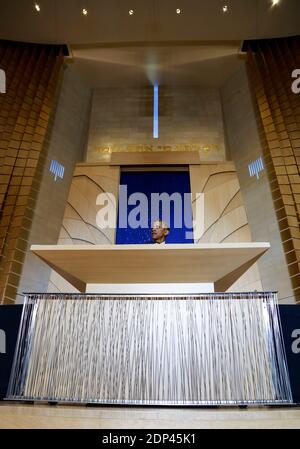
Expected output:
(32, 75)
(219, 213)
(190, 119)
(244, 145)
(66, 143)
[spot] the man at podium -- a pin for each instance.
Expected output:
(159, 232)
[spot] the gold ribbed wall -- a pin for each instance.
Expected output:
(270, 66)
(32, 74)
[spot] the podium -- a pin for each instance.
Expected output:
(163, 349)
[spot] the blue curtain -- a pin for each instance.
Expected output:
(149, 182)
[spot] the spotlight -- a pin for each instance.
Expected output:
(131, 12)
(37, 7)
(178, 11)
(275, 2)
(84, 11)
(225, 8)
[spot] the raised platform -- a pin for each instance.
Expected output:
(38, 416)
(221, 264)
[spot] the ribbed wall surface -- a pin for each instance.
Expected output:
(32, 74)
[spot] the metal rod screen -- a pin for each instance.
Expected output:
(181, 350)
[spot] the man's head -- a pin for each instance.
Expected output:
(160, 230)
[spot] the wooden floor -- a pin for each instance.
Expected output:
(40, 416)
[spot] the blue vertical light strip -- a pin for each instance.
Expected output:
(155, 111)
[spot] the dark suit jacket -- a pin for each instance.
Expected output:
(151, 242)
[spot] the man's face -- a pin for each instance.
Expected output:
(158, 231)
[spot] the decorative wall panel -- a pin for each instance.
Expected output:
(220, 215)
(79, 223)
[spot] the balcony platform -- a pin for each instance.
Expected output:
(221, 264)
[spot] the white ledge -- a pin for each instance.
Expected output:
(218, 263)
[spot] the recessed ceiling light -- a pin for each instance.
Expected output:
(225, 8)
(275, 2)
(84, 11)
(178, 11)
(131, 12)
(37, 7)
